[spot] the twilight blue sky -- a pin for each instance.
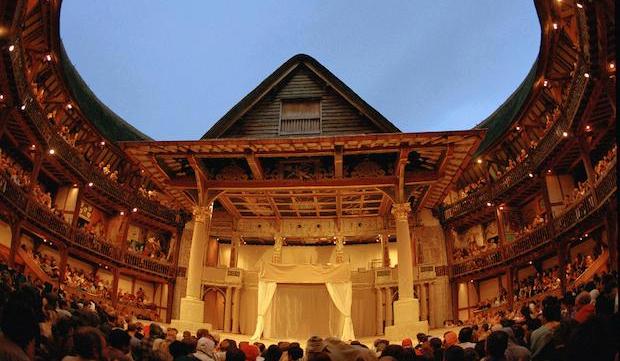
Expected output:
(173, 68)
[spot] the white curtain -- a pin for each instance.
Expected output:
(266, 289)
(299, 311)
(342, 295)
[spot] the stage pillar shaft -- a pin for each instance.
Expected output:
(227, 310)
(407, 308)
(192, 306)
(401, 211)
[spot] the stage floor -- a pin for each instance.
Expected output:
(368, 341)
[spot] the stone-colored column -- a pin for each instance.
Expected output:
(227, 309)
(379, 302)
(277, 248)
(235, 243)
(407, 308)
(403, 240)
(192, 306)
(235, 310)
(339, 248)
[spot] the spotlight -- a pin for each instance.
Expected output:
(530, 262)
(489, 204)
(122, 213)
(23, 107)
(69, 106)
(555, 26)
(1, 96)
(518, 128)
(565, 134)
(52, 151)
(612, 66)
(11, 47)
(48, 57)
(549, 171)
(134, 210)
(90, 184)
(588, 128)
(587, 75)
(579, 5)
(102, 143)
(530, 175)
(479, 160)
(545, 83)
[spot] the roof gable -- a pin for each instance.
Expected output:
(343, 111)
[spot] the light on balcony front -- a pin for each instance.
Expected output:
(579, 5)
(479, 160)
(612, 66)
(489, 204)
(122, 213)
(565, 134)
(588, 128)
(102, 143)
(518, 128)
(1, 96)
(549, 171)
(90, 184)
(52, 151)
(530, 262)
(555, 26)
(587, 75)
(134, 210)
(23, 107)
(48, 57)
(11, 47)
(69, 106)
(546, 82)
(530, 175)
(585, 235)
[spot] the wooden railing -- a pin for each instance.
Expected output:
(17, 200)
(520, 172)
(603, 189)
(74, 160)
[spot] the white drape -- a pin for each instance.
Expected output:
(342, 296)
(337, 279)
(266, 289)
(299, 311)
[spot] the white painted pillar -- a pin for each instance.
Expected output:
(227, 309)
(235, 310)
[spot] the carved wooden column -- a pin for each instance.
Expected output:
(379, 311)
(76, 210)
(277, 248)
(170, 301)
(385, 250)
(227, 309)
(115, 278)
(62, 265)
(510, 288)
(235, 309)
(388, 306)
(339, 248)
(16, 233)
(235, 243)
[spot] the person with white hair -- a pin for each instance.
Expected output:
(204, 350)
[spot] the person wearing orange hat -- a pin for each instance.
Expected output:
(407, 343)
(450, 338)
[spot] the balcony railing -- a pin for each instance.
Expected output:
(521, 171)
(17, 200)
(72, 157)
(544, 234)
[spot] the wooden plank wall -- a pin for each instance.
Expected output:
(338, 116)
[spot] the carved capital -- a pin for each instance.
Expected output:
(202, 213)
(401, 211)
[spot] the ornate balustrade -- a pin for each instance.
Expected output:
(535, 158)
(71, 156)
(544, 234)
(17, 200)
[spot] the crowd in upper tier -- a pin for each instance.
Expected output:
(41, 322)
(21, 178)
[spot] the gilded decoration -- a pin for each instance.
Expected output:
(369, 168)
(232, 172)
(300, 170)
(401, 211)
(202, 213)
